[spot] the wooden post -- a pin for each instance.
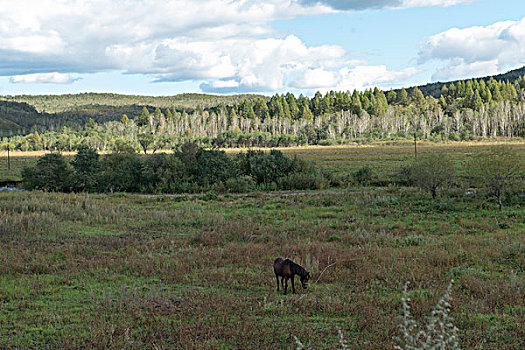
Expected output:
(8, 159)
(415, 144)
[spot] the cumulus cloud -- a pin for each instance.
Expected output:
(255, 65)
(226, 44)
(476, 50)
(45, 78)
(421, 3)
(459, 69)
(359, 78)
(356, 5)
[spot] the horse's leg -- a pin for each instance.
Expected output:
(285, 284)
(293, 284)
(277, 278)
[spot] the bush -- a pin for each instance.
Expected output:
(51, 173)
(500, 172)
(241, 184)
(212, 167)
(162, 173)
(363, 176)
(86, 170)
(121, 172)
(304, 177)
(264, 168)
(404, 176)
(432, 173)
(190, 169)
(438, 333)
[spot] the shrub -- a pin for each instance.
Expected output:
(363, 176)
(438, 333)
(162, 173)
(499, 171)
(212, 167)
(86, 170)
(121, 172)
(240, 184)
(51, 173)
(190, 169)
(326, 142)
(264, 168)
(432, 173)
(404, 176)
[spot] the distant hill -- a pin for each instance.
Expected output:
(20, 118)
(434, 89)
(23, 114)
(72, 102)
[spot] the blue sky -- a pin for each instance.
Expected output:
(216, 46)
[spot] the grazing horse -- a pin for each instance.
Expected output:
(287, 269)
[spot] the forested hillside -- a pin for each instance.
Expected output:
(434, 89)
(22, 118)
(24, 114)
(74, 102)
(463, 111)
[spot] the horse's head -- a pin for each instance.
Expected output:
(304, 279)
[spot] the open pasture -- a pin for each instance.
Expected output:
(131, 271)
(384, 158)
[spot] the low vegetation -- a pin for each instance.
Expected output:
(188, 170)
(122, 270)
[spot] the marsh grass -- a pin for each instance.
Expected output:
(128, 271)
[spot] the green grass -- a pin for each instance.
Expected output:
(18, 162)
(131, 271)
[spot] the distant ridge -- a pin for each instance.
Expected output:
(434, 89)
(71, 102)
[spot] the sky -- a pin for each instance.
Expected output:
(167, 47)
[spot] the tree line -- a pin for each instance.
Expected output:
(498, 173)
(464, 111)
(190, 169)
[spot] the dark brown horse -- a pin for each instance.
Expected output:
(287, 269)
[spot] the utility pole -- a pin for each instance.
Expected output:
(6, 147)
(415, 144)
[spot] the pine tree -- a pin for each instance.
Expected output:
(305, 110)
(419, 99)
(403, 97)
(391, 96)
(476, 102)
(356, 103)
(292, 104)
(317, 107)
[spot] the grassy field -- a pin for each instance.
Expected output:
(131, 271)
(383, 157)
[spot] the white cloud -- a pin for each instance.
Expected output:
(46, 78)
(356, 5)
(421, 3)
(476, 50)
(220, 42)
(224, 84)
(359, 78)
(459, 69)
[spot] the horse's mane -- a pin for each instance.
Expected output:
(297, 269)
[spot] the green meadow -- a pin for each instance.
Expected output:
(132, 271)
